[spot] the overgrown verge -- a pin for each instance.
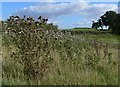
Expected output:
(38, 54)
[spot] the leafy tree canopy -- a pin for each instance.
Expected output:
(110, 19)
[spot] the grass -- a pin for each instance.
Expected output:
(0, 59)
(107, 38)
(110, 38)
(86, 31)
(80, 29)
(77, 60)
(68, 74)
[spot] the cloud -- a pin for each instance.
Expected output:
(57, 0)
(83, 23)
(52, 10)
(27, 0)
(1, 18)
(96, 10)
(103, 1)
(82, 7)
(93, 12)
(55, 21)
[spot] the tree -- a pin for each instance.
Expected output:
(116, 26)
(100, 23)
(95, 25)
(108, 19)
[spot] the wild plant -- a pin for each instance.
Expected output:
(106, 50)
(32, 44)
(35, 43)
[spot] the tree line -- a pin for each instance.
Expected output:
(111, 20)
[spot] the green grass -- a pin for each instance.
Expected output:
(107, 38)
(83, 29)
(86, 31)
(80, 29)
(110, 38)
(0, 59)
(71, 74)
(70, 66)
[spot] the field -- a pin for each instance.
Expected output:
(76, 59)
(80, 29)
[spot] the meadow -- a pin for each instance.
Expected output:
(64, 59)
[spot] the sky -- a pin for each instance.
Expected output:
(64, 13)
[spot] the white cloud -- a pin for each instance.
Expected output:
(53, 10)
(55, 21)
(83, 23)
(96, 10)
(1, 18)
(103, 1)
(93, 12)
(27, 0)
(58, 0)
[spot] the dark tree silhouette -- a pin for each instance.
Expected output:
(108, 19)
(116, 26)
(95, 25)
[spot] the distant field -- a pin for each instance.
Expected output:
(80, 29)
(84, 29)
(103, 36)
